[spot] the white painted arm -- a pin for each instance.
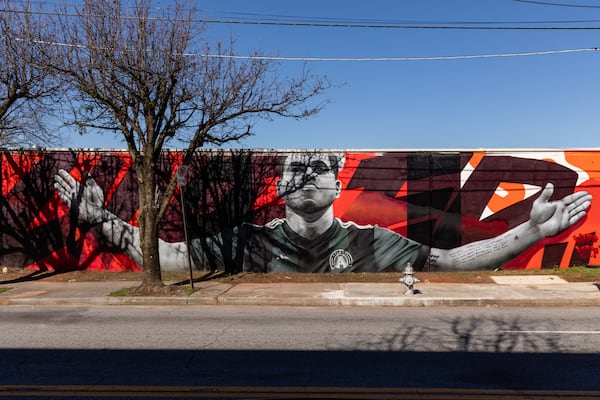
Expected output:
(547, 219)
(89, 200)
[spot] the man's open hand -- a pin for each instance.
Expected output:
(88, 198)
(553, 217)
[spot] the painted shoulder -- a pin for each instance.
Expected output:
(379, 231)
(274, 223)
(354, 225)
(271, 225)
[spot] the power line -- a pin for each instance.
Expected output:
(259, 17)
(339, 23)
(546, 3)
(354, 59)
(289, 18)
(336, 24)
(396, 26)
(433, 58)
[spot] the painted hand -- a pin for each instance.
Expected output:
(553, 217)
(87, 200)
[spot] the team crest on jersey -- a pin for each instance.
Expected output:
(340, 260)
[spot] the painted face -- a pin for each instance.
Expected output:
(308, 182)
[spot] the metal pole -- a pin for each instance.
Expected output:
(187, 240)
(181, 178)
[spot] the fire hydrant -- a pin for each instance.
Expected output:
(409, 279)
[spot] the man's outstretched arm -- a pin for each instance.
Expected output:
(547, 218)
(88, 199)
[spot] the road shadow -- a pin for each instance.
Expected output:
(464, 352)
(258, 368)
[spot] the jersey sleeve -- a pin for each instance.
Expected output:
(393, 250)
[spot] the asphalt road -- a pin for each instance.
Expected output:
(297, 352)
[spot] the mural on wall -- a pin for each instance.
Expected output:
(307, 211)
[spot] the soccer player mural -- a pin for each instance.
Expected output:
(424, 189)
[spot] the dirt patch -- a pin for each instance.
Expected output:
(156, 291)
(273, 277)
(379, 277)
(182, 278)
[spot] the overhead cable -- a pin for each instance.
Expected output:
(431, 58)
(338, 23)
(547, 3)
(353, 59)
(398, 26)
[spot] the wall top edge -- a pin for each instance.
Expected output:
(351, 150)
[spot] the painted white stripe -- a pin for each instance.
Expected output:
(557, 332)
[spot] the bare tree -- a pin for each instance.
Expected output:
(222, 195)
(155, 79)
(27, 90)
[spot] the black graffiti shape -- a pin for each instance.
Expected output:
(24, 238)
(374, 174)
(492, 170)
(433, 197)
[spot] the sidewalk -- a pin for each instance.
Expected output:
(522, 290)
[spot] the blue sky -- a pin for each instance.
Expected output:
(539, 101)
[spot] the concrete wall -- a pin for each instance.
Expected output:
(439, 198)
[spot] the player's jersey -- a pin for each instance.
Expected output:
(344, 247)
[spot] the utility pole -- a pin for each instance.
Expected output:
(182, 181)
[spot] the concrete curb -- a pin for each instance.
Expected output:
(302, 302)
(157, 301)
(312, 295)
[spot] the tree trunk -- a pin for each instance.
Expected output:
(148, 222)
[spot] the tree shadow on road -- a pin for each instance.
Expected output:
(470, 334)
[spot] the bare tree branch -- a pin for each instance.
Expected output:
(27, 90)
(144, 76)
